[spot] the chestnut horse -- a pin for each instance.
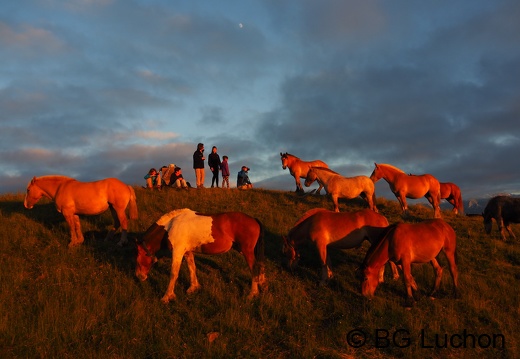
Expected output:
(505, 210)
(451, 193)
(407, 243)
(344, 187)
(299, 168)
(328, 229)
(73, 198)
(411, 186)
(189, 232)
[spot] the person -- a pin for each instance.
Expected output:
(177, 180)
(153, 179)
(243, 181)
(198, 165)
(214, 165)
(166, 173)
(224, 166)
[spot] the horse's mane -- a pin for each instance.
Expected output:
(390, 166)
(165, 218)
(288, 154)
(374, 247)
(324, 169)
(307, 214)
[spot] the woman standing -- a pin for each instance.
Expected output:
(214, 165)
(198, 165)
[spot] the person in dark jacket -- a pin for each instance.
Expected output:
(198, 165)
(225, 172)
(214, 165)
(243, 181)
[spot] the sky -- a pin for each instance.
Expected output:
(110, 88)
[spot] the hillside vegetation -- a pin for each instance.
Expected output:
(86, 302)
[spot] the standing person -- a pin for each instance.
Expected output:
(225, 171)
(214, 165)
(243, 181)
(198, 165)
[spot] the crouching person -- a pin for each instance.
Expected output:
(243, 181)
(177, 180)
(153, 179)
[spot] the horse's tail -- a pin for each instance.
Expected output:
(260, 244)
(133, 204)
(460, 204)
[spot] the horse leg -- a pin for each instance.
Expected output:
(452, 265)
(257, 273)
(176, 265)
(335, 201)
(76, 236)
(194, 282)
(438, 276)
(501, 228)
(409, 283)
(120, 220)
(402, 201)
(508, 228)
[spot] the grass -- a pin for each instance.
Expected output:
(87, 303)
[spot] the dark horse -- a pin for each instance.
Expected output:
(505, 210)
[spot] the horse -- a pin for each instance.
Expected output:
(505, 210)
(328, 229)
(73, 198)
(344, 187)
(451, 193)
(188, 231)
(407, 243)
(411, 186)
(299, 168)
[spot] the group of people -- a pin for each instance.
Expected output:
(172, 175)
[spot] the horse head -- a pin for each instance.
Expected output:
(376, 173)
(311, 177)
(33, 194)
(290, 255)
(283, 157)
(488, 221)
(145, 260)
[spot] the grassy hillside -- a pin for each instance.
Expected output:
(87, 303)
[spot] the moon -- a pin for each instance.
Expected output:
(240, 25)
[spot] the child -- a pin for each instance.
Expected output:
(153, 179)
(243, 181)
(225, 171)
(177, 180)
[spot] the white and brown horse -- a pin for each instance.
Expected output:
(405, 186)
(339, 186)
(299, 168)
(190, 232)
(407, 243)
(328, 229)
(73, 198)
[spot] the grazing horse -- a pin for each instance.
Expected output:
(73, 198)
(505, 210)
(407, 243)
(328, 229)
(451, 193)
(344, 187)
(411, 186)
(189, 232)
(299, 168)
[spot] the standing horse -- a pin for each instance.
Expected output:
(505, 210)
(328, 229)
(189, 232)
(411, 186)
(451, 193)
(299, 168)
(406, 243)
(73, 198)
(344, 187)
